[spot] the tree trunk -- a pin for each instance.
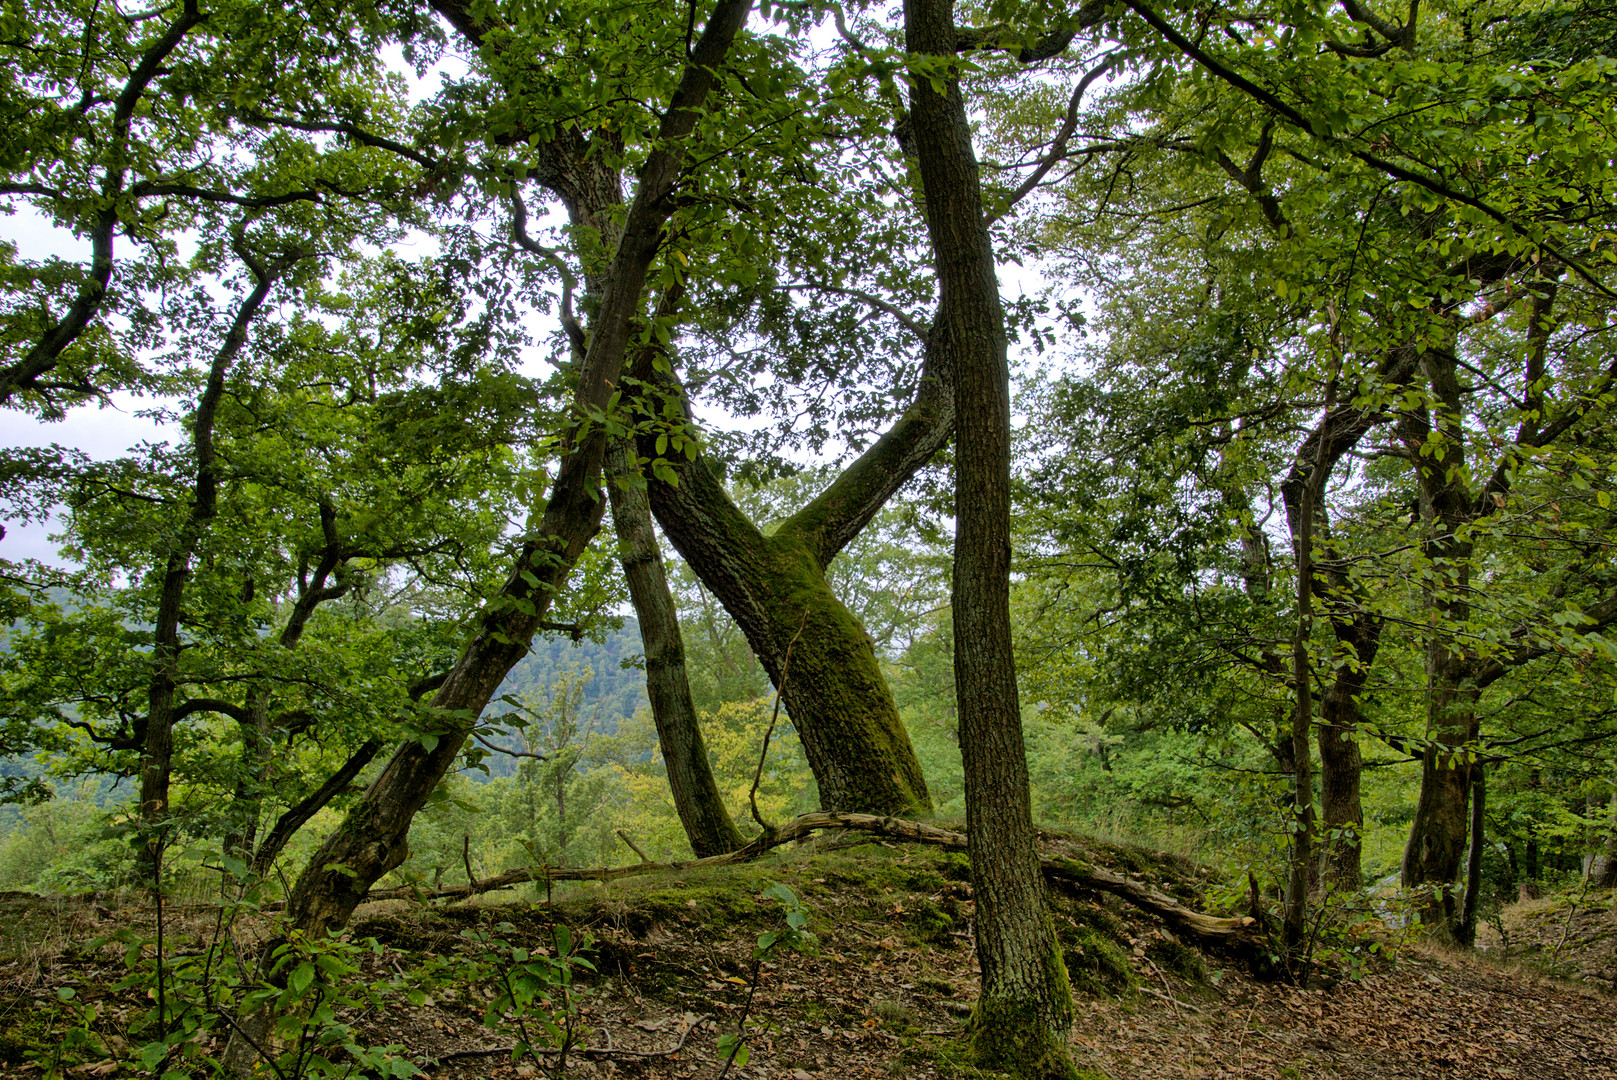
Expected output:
(1527, 886)
(157, 749)
(1603, 866)
(775, 588)
(1303, 491)
(371, 840)
(1432, 859)
(1023, 1016)
(1473, 864)
(696, 795)
(1341, 767)
(1338, 432)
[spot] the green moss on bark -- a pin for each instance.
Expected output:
(1019, 1036)
(1010, 1036)
(834, 690)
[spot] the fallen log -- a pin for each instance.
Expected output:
(1238, 934)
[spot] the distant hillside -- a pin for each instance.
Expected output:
(612, 694)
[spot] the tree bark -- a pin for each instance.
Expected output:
(1303, 492)
(1603, 871)
(1432, 859)
(1023, 1016)
(775, 588)
(1467, 934)
(1341, 765)
(708, 825)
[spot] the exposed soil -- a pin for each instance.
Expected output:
(883, 996)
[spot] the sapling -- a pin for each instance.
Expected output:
(793, 937)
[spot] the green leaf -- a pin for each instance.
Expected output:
(300, 978)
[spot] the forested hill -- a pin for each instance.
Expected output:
(613, 687)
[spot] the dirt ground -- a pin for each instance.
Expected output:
(885, 993)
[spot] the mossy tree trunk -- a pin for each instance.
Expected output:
(1023, 1016)
(775, 588)
(696, 794)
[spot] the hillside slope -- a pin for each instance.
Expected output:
(882, 995)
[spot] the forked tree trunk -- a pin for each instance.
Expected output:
(696, 795)
(1316, 459)
(775, 588)
(1023, 1016)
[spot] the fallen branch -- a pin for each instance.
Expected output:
(1072, 873)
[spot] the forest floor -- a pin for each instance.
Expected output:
(883, 995)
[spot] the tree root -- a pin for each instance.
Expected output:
(1239, 934)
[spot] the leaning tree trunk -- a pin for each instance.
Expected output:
(696, 795)
(372, 838)
(370, 841)
(1023, 1016)
(775, 588)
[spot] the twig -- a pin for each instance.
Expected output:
(1179, 1017)
(746, 1010)
(466, 857)
(1566, 932)
(1246, 1027)
(632, 846)
(498, 749)
(780, 688)
(1175, 1002)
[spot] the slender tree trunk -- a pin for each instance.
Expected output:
(1303, 492)
(157, 750)
(1527, 888)
(257, 756)
(1023, 1016)
(1473, 864)
(696, 795)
